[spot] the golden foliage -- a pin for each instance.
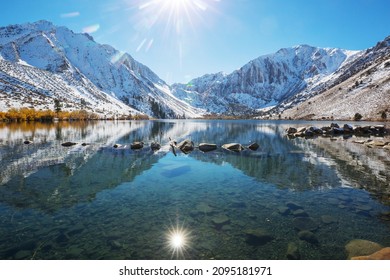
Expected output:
(30, 114)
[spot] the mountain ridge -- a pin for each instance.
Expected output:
(40, 62)
(76, 56)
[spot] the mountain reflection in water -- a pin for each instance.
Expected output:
(99, 202)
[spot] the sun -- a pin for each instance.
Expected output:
(178, 240)
(174, 15)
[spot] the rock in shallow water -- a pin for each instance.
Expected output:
(327, 219)
(361, 247)
(304, 223)
(207, 147)
(293, 251)
(256, 237)
(220, 220)
(308, 236)
(383, 254)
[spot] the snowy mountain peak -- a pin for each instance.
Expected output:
(77, 57)
(265, 81)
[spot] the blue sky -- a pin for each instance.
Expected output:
(184, 39)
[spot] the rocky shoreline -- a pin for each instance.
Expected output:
(346, 131)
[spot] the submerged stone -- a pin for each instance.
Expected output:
(175, 172)
(328, 219)
(256, 237)
(23, 255)
(293, 205)
(204, 208)
(383, 254)
(282, 210)
(300, 213)
(304, 223)
(220, 220)
(308, 236)
(293, 251)
(361, 247)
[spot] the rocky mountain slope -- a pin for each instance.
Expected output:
(40, 61)
(360, 86)
(266, 81)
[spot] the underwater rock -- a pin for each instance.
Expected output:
(362, 207)
(68, 144)
(333, 201)
(283, 210)
(293, 206)
(383, 254)
(293, 251)
(384, 216)
(361, 247)
(253, 146)
(308, 236)
(207, 147)
(204, 208)
(23, 255)
(235, 147)
(74, 252)
(220, 220)
(137, 145)
(176, 172)
(186, 146)
(115, 244)
(304, 223)
(155, 146)
(259, 236)
(300, 213)
(328, 219)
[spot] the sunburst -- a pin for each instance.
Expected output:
(178, 240)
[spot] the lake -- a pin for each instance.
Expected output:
(290, 199)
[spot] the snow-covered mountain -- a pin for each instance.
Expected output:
(361, 85)
(40, 61)
(266, 81)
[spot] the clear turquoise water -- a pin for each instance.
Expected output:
(98, 202)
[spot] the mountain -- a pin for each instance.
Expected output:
(266, 81)
(40, 61)
(360, 86)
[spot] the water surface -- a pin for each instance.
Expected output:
(98, 202)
